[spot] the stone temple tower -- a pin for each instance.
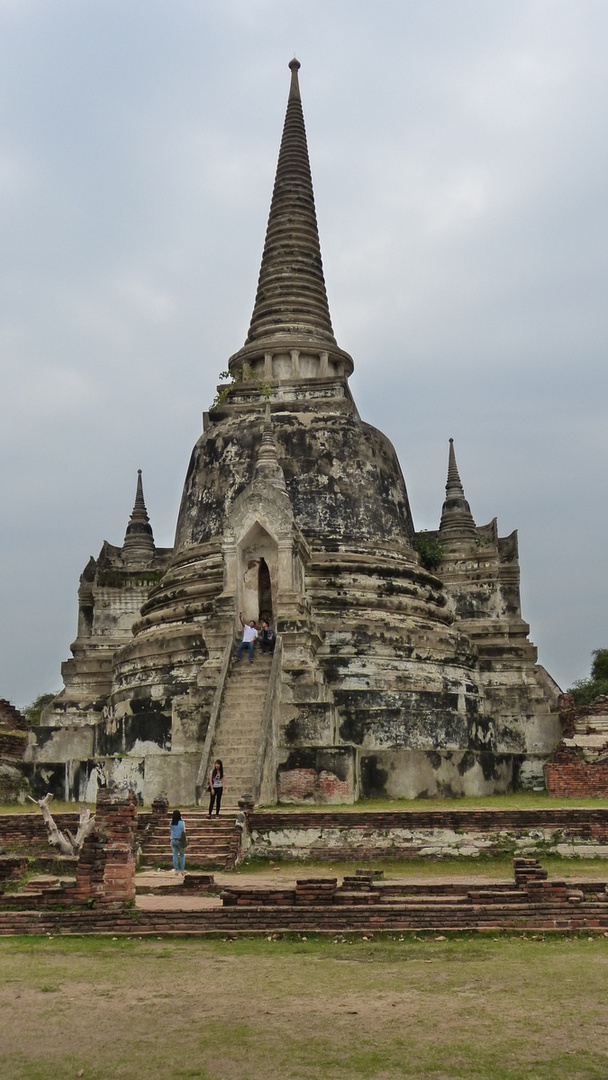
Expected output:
(402, 666)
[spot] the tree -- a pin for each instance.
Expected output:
(32, 712)
(599, 666)
(585, 691)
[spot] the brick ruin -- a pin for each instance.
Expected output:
(102, 897)
(403, 666)
(105, 868)
(362, 903)
(579, 764)
(13, 742)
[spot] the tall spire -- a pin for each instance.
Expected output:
(138, 546)
(457, 521)
(291, 309)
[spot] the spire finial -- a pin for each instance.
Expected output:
(453, 474)
(138, 546)
(291, 309)
(294, 89)
(457, 521)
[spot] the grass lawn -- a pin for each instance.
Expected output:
(521, 800)
(497, 867)
(513, 1008)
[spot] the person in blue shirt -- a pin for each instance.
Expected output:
(177, 842)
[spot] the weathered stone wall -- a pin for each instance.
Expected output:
(436, 834)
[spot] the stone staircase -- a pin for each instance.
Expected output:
(212, 844)
(237, 735)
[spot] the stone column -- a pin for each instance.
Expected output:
(160, 809)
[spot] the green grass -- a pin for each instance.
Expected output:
(57, 807)
(504, 1008)
(497, 867)
(521, 800)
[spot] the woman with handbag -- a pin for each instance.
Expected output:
(216, 787)
(179, 842)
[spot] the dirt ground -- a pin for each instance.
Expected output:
(484, 1009)
(285, 875)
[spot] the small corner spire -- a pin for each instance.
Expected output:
(138, 546)
(457, 522)
(267, 466)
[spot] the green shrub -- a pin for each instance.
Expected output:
(429, 550)
(585, 691)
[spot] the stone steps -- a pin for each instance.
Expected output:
(210, 842)
(237, 735)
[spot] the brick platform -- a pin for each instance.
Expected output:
(362, 904)
(363, 835)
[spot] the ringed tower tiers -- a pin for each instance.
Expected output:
(388, 677)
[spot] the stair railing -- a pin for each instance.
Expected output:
(201, 779)
(267, 739)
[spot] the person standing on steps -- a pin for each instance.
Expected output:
(249, 636)
(178, 845)
(216, 787)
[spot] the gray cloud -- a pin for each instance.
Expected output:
(459, 159)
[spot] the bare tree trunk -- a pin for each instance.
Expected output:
(67, 843)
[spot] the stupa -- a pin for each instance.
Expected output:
(403, 666)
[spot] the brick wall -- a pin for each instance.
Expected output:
(12, 746)
(549, 911)
(568, 775)
(27, 832)
(577, 779)
(299, 784)
(11, 718)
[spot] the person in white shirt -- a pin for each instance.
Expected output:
(249, 636)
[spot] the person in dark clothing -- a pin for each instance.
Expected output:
(216, 787)
(268, 638)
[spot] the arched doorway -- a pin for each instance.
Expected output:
(257, 574)
(264, 591)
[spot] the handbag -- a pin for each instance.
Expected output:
(183, 841)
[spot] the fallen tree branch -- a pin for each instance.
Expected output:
(67, 843)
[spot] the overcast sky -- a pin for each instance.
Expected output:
(459, 155)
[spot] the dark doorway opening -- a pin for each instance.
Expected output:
(264, 592)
